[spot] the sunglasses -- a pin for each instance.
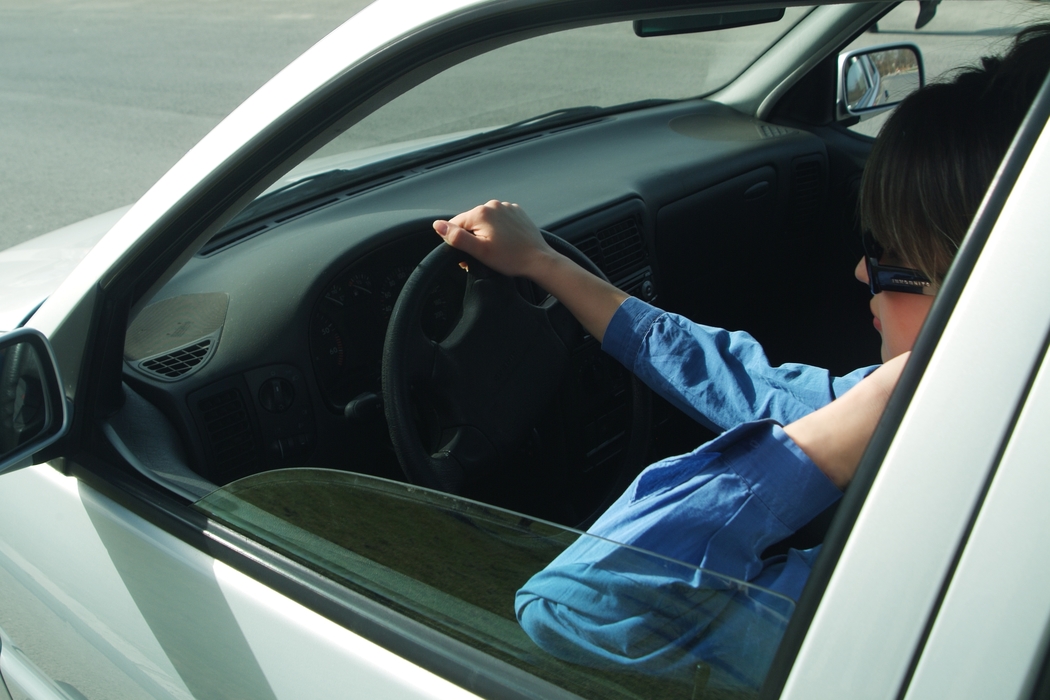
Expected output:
(887, 278)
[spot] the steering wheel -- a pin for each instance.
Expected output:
(489, 382)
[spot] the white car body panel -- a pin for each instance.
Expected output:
(903, 544)
(988, 637)
(304, 654)
(112, 578)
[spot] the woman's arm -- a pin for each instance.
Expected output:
(605, 605)
(836, 436)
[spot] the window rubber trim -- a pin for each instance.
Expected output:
(853, 500)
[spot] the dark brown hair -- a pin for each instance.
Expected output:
(938, 152)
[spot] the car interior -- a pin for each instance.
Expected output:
(265, 351)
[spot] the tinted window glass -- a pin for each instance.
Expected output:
(650, 627)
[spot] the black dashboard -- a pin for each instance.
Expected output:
(262, 343)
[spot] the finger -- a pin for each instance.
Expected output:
(473, 218)
(460, 239)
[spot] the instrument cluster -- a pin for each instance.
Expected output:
(350, 319)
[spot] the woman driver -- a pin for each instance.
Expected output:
(720, 506)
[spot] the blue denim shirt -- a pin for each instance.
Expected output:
(716, 508)
(720, 378)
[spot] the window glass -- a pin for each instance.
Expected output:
(597, 66)
(579, 71)
(959, 34)
(617, 622)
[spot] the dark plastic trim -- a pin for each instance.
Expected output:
(853, 501)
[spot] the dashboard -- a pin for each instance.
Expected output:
(269, 347)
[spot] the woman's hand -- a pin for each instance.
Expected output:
(501, 236)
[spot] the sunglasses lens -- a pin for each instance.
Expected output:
(902, 280)
(889, 278)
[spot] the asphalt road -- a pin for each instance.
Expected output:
(98, 98)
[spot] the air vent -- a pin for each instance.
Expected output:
(807, 184)
(229, 430)
(176, 337)
(592, 249)
(180, 362)
(623, 250)
(175, 364)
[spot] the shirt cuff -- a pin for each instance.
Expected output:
(777, 471)
(628, 328)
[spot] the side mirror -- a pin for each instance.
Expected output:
(33, 411)
(876, 78)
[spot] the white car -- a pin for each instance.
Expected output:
(231, 470)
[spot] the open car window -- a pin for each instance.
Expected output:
(462, 567)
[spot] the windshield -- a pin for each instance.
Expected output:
(660, 628)
(598, 66)
(538, 82)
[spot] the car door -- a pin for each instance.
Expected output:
(106, 603)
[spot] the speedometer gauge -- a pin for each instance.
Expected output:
(352, 290)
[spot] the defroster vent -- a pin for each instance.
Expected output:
(173, 365)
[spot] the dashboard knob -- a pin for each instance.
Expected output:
(648, 291)
(276, 394)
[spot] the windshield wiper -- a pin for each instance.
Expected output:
(552, 119)
(307, 188)
(314, 187)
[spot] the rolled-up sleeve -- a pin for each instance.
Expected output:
(720, 378)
